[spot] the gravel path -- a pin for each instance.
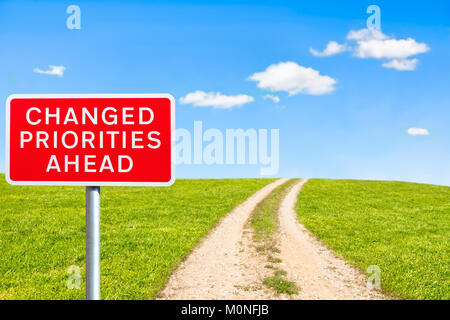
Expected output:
(226, 264)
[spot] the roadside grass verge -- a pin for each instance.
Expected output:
(145, 233)
(403, 228)
(264, 221)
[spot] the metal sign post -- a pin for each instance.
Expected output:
(93, 243)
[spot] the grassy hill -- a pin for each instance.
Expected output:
(403, 228)
(145, 232)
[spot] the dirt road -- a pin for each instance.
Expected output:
(226, 265)
(223, 264)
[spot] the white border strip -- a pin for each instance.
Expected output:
(91, 183)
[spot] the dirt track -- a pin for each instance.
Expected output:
(221, 266)
(226, 265)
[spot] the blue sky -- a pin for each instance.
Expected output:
(357, 131)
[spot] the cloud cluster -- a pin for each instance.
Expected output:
(284, 76)
(418, 132)
(216, 100)
(54, 70)
(372, 43)
(294, 79)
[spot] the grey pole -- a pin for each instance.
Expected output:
(93, 243)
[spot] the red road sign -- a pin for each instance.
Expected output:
(90, 139)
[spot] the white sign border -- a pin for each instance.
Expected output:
(91, 183)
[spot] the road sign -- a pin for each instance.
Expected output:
(90, 139)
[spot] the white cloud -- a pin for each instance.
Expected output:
(215, 99)
(293, 78)
(418, 132)
(390, 48)
(402, 64)
(272, 97)
(331, 49)
(372, 43)
(54, 70)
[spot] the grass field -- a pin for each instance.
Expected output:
(403, 228)
(145, 232)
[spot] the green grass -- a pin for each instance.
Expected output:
(264, 221)
(280, 284)
(404, 228)
(145, 233)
